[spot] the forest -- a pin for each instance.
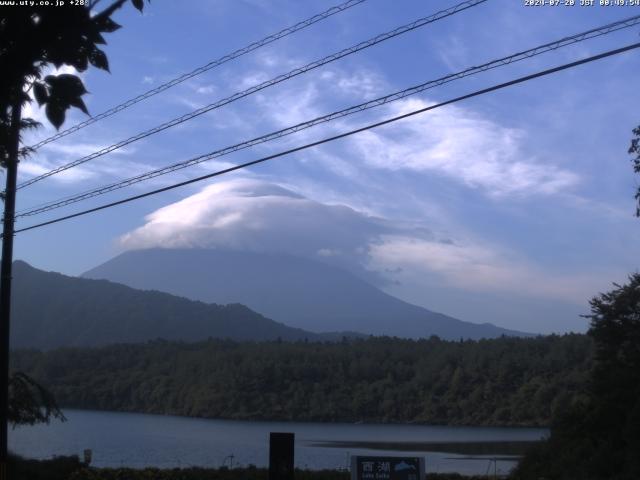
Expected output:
(598, 437)
(503, 382)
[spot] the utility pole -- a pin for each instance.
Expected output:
(5, 277)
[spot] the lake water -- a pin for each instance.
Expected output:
(140, 440)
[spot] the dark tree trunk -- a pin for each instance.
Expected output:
(5, 279)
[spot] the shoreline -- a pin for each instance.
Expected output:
(174, 441)
(312, 422)
(508, 450)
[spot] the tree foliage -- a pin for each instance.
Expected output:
(30, 402)
(34, 36)
(57, 468)
(505, 381)
(599, 438)
(634, 149)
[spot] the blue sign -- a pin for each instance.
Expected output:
(387, 468)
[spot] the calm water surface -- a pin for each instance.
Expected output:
(140, 440)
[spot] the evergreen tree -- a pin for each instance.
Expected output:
(599, 438)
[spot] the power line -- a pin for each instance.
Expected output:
(269, 83)
(339, 136)
(215, 63)
(563, 42)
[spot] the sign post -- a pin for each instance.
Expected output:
(387, 468)
(281, 455)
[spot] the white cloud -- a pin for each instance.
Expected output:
(37, 165)
(454, 142)
(460, 144)
(300, 102)
(453, 52)
(194, 103)
(99, 169)
(34, 111)
(206, 89)
(291, 107)
(275, 61)
(362, 84)
(254, 215)
(478, 267)
(78, 149)
(54, 155)
(251, 80)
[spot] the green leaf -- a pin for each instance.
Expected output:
(65, 91)
(99, 59)
(65, 85)
(96, 37)
(80, 62)
(40, 93)
(105, 24)
(30, 402)
(79, 103)
(55, 113)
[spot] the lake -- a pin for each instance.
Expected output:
(141, 440)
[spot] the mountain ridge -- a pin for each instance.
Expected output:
(297, 291)
(52, 310)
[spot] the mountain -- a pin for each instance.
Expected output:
(51, 310)
(299, 292)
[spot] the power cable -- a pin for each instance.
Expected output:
(256, 88)
(339, 136)
(551, 46)
(215, 63)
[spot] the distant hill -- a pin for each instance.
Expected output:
(51, 310)
(299, 292)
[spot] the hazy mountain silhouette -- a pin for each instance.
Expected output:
(51, 310)
(300, 292)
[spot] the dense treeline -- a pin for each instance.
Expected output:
(598, 437)
(505, 381)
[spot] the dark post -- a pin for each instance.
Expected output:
(5, 280)
(281, 456)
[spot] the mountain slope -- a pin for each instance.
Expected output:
(52, 310)
(299, 292)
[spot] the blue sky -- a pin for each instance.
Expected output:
(512, 208)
